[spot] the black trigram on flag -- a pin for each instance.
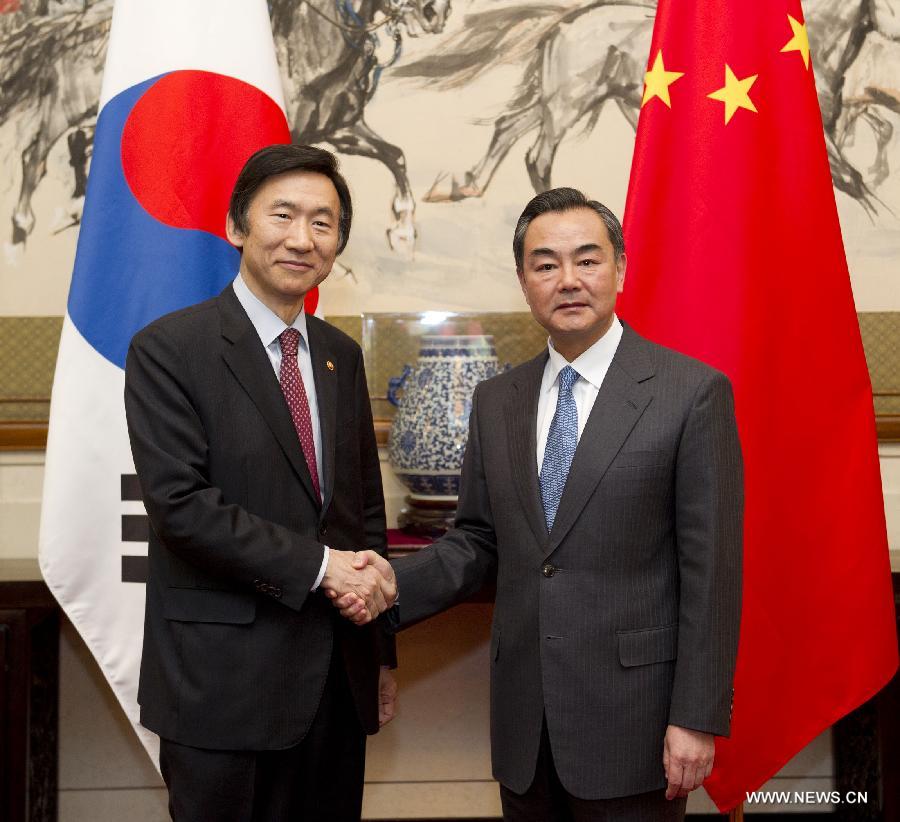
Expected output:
(135, 528)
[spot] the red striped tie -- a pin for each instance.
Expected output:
(298, 403)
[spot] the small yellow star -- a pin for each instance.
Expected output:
(735, 93)
(800, 40)
(658, 80)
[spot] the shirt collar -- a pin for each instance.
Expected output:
(267, 323)
(592, 364)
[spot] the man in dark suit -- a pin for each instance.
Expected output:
(603, 482)
(252, 436)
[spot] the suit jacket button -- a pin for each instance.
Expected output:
(276, 592)
(323, 530)
(548, 570)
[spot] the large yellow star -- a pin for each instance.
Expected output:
(658, 80)
(800, 40)
(735, 93)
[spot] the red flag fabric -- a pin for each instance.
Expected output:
(735, 257)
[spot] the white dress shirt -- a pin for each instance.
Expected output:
(591, 366)
(270, 326)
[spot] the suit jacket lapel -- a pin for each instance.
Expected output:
(521, 427)
(326, 397)
(621, 401)
(245, 356)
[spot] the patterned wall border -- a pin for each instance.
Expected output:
(28, 353)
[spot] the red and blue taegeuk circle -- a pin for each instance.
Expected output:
(166, 155)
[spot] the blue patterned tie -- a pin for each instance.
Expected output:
(561, 442)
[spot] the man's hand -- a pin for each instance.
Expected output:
(387, 697)
(366, 577)
(687, 759)
(350, 603)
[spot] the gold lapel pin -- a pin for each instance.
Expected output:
(330, 365)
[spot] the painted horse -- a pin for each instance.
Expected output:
(578, 59)
(51, 68)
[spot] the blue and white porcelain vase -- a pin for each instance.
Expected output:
(429, 432)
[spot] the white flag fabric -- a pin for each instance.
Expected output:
(190, 91)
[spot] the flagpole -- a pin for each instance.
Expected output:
(737, 813)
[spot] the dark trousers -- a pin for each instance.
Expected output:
(548, 801)
(318, 780)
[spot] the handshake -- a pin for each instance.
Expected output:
(361, 584)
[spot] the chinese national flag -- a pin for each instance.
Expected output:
(735, 257)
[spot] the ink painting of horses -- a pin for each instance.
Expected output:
(447, 117)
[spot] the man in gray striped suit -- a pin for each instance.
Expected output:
(603, 483)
